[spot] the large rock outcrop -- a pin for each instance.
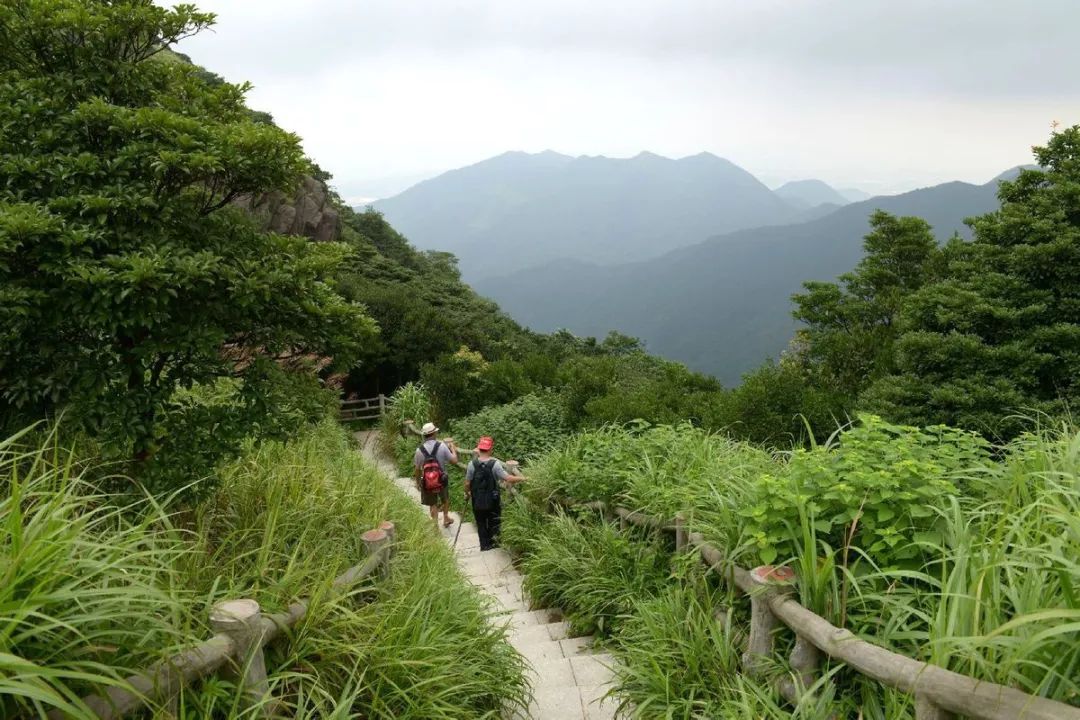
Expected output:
(308, 212)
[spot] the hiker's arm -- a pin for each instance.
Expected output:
(451, 448)
(504, 475)
(468, 481)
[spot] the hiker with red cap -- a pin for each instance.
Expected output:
(482, 478)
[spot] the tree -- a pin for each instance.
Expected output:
(999, 333)
(126, 275)
(850, 332)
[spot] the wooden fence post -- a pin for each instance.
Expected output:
(382, 405)
(805, 659)
(374, 541)
(767, 581)
(241, 621)
(389, 528)
(682, 536)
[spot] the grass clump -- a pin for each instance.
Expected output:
(86, 588)
(284, 521)
(922, 540)
(592, 571)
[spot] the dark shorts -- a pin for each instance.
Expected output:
(440, 498)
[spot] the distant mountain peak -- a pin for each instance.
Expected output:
(520, 209)
(806, 194)
(1013, 172)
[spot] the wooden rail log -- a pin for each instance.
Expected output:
(934, 687)
(167, 677)
(943, 688)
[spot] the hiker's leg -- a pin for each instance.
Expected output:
(444, 496)
(433, 510)
(480, 516)
(495, 522)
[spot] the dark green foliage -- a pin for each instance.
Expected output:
(631, 385)
(125, 275)
(1000, 333)
(851, 325)
(423, 309)
(779, 406)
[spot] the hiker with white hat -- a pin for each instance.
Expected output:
(429, 463)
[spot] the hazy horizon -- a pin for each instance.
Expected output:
(383, 188)
(879, 96)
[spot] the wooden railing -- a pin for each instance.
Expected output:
(939, 694)
(241, 633)
(363, 408)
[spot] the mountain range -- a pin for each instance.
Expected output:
(695, 256)
(519, 209)
(722, 306)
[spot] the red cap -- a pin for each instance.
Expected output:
(485, 443)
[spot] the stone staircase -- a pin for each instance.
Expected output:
(569, 680)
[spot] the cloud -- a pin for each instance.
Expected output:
(912, 92)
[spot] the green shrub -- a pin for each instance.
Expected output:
(878, 488)
(587, 466)
(522, 429)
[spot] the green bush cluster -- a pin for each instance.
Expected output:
(881, 488)
(522, 429)
(592, 571)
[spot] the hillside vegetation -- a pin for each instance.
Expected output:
(914, 539)
(94, 591)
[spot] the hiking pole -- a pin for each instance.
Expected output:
(457, 534)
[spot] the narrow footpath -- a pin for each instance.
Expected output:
(569, 680)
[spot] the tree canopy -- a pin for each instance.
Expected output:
(998, 334)
(126, 275)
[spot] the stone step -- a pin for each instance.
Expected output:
(535, 617)
(538, 650)
(592, 670)
(577, 646)
(533, 634)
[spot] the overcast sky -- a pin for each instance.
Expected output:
(884, 95)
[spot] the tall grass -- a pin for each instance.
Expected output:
(593, 572)
(90, 591)
(86, 588)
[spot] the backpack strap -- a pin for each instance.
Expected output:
(434, 454)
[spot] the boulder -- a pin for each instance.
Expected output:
(308, 212)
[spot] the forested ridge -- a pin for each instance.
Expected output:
(173, 348)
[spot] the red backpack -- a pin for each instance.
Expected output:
(431, 472)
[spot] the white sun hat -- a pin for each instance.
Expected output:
(428, 429)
